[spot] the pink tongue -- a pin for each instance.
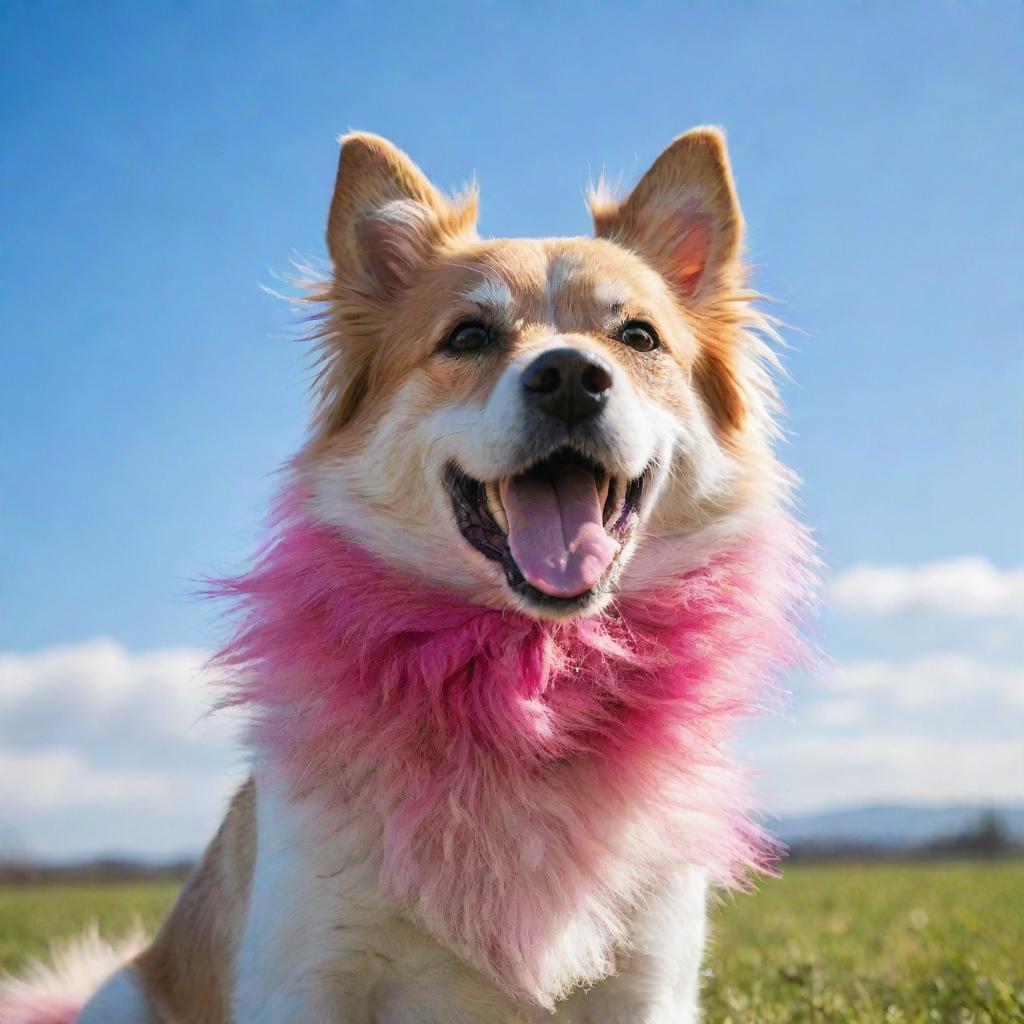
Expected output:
(555, 530)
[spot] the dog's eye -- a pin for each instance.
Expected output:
(639, 335)
(469, 337)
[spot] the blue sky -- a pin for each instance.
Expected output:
(162, 161)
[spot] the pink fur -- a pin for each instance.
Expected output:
(38, 1009)
(525, 776)
(53, 990)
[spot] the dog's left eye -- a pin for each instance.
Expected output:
(639, 335)
(470, 337)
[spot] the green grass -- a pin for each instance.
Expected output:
(32, 916)
(906, 944)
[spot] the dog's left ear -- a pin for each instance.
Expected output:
(683, 216)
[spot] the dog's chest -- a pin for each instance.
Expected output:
(317, 909)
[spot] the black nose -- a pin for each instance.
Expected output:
(568, 383)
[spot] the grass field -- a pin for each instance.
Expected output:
(907, 944)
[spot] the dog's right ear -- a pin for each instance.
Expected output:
(386, 218)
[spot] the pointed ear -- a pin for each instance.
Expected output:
(386, 217)
(683, 216)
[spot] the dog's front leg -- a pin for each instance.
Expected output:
(304, 955)
(660, 982)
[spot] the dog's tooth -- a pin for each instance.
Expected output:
(616, 490)
(495, 507)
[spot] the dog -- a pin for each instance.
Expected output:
(533, 562)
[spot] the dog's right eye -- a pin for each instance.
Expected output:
(470, 337)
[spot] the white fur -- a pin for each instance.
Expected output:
(119, 1001)
(493, 295)
(610, 294)
(660, 983)
(311, 906)
(74, 971)
(561, 271)
(488, 442)
(323, 943)
(407, 221)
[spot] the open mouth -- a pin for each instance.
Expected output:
(557, 528)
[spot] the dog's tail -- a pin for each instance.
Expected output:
(54, 990)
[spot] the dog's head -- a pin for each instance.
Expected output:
(540, 424)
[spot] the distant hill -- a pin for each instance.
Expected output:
(885, 831)
(892, 826)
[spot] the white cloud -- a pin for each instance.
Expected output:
(99, 690)
(959, 588)
(105, 749)
(44, 780)
(837, 713)
(800, 768)
(939, 726)
(951, 678)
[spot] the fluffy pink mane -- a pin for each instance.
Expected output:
(42, 1008)
(530, 780)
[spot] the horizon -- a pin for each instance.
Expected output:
(163, 165)
(777, 825)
